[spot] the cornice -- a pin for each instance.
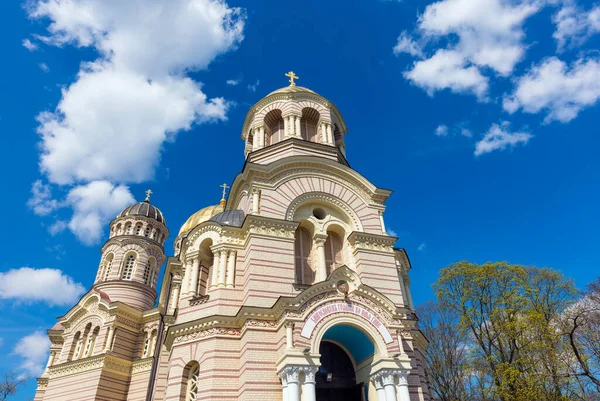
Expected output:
(373, 242)
(106, 362)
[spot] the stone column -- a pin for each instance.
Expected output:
(400, 342)
(403, 385)
(298, 129)
(379, 389)
(293, 377)
(231, 269)
(289, 335)
(382, 222)
(193, 289)
(284, 385)
(330, 135)
(324, 137)
(153, 340)
(175, 300)
(389, 385)
(222, 268)
(309, 391)
(185, 284)
(254, 140)
(109, 338)
(214, 281)
(255, 200)
(50, 359)
(319, 242)
(262, 137)
(286, 126)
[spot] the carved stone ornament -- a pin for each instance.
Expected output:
(222, 331)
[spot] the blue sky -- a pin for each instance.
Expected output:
(482, 116)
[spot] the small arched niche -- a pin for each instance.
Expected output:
(308, 124)
(274, 128)
(206, 268)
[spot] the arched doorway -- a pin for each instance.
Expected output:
(336, 379)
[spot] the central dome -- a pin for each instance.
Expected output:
(292, 89)
(201, 216)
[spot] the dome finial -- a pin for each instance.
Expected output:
(148, 193)
(223, 201)
(292, 77)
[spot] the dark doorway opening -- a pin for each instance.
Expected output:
(336, 380)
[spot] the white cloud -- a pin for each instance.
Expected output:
(51, 286)
(233, 82)
(58, 227)
(499, 137)
(466, 132)
(489, 34)
(41, 199)
(448, 69)
(94, 205)
(254, 86)
(391, 233)
(421, 247)
(574, 25)
(406, 44)
(44, 67)
(29, 45)
(556, 89)
(441, 130)
(111, 123)
(34, 350)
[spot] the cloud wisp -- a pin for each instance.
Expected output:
(499, 137)
(28, 285)
(33, 349)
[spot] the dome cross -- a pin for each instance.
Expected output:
(292, 76)
(148, 193)
(224, 186)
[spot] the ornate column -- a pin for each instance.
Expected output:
(389, 385)
(293, 377)
(231, 269)
(222, 268)
(254, 140)
(193, 288)
(309, 391)
(215, 269)
(319, 242)
(109, 338)
(298, 129)
(255, 201)
(403, 385)
(324, 136)
(261, 137)
(286, 126)
(379, 388)
(185, 284)
(284, 385)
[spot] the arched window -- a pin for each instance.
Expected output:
(138, 228)
(128, 229)
(147, 231)
(107, 266)
(191, 375)
(75, 346)
(333, 252)
(128, 267)
(274, 127)
(118, 231)
(91, 341)
(302, 249)
(308, 124)
(149, 272)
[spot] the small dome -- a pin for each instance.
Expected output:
(292, 89)
(234, 218)
(200, 216)
(145, 209)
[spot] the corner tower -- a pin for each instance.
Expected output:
(132, 255)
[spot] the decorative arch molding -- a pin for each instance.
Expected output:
(324, 198)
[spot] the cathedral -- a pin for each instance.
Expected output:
(288, 290)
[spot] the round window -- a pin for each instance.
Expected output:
(319, 213)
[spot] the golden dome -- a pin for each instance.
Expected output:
(292, 89)
(201, 216)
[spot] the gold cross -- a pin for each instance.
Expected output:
(292, 77)
(224, 186)
(148, 193)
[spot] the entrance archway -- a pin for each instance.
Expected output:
(336, 379)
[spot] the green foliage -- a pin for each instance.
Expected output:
(511, 319)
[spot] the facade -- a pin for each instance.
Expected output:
(291, 290)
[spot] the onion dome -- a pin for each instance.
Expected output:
(145, 209)
(201, 216)
(234, 218)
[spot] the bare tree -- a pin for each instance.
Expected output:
(9, 385)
